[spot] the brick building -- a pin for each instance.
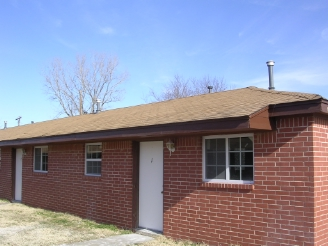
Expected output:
(240, 167)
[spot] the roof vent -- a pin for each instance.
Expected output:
(98, 106)
(18, 120)
(270, 68)
(209, 88)
(5, 125)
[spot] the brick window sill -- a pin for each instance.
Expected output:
(227, 186)
(40, 173)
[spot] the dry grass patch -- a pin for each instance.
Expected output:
(161, 241)
(23, 225)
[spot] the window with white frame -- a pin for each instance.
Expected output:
(93, 155)
(41, 159)
(228, 158)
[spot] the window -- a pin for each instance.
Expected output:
(41, 159)
(93, 153)
(228, 159)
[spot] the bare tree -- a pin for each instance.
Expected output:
(176, 88)
(179, 87)
(77, 87)
(200, 86)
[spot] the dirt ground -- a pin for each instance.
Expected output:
(24, 226)
(163, 241)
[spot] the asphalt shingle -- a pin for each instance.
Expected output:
(226, 104)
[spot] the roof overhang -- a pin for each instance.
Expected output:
(258, 121)
(304, 107)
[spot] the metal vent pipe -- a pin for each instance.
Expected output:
(98, 106)
(18, 120)
(271, 80)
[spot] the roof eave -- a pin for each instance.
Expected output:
(296, 108)
(203, 127)
(260, 120)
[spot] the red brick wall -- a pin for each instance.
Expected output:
(65, 188)
(277, 210)
(321, 180)
(6, 174)
(285, 206)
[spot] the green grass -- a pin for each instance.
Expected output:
(60, 219)
(64, 219)
(93, 225)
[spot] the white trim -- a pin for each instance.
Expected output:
(225, 181)
(229, 136)
(40, 171)
(85, 161)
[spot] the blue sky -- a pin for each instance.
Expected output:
(154, 40)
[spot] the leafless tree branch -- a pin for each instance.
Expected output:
(77, 87)
(179, 87)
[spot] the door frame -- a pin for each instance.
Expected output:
(13, 173)
(135, 184)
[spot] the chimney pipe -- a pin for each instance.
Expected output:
(270, 68)
(18, 120)
(98, 106)
(5, 125)
(209, 88)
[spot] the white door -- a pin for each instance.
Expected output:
(151, 186)
(18, 174)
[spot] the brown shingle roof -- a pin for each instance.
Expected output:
(233, 103)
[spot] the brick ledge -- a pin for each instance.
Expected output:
(39, 173)
(227, 186)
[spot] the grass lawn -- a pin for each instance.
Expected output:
(23, 225)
